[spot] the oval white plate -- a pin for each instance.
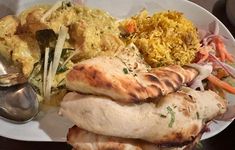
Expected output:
(51, 127)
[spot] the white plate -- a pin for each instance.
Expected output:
(51, 127)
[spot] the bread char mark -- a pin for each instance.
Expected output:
(94, 76)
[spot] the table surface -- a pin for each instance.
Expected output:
(223, 141)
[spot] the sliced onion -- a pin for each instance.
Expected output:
(204, 71)
(197, 84)
(202, 33)
(213, 32)
(214, 27)
(229, 69)
(207, 39)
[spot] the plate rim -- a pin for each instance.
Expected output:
(203, 137)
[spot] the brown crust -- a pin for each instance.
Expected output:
(101, 142)
(93, 76)
(182, 132)
(126, 87)
(75, 134)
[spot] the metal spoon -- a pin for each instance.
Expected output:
(10, 72)
(18, 100)
(18, 103)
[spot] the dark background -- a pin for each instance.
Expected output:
(223, 141)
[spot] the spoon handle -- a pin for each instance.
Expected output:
(10, 79)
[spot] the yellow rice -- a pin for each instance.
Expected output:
(165, 38)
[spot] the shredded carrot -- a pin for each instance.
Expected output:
(222, 51)
(130, 26)
(220, 48)
(204, 57)
(216, 89)
(217, 82)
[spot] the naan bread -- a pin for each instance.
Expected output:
(83, 140)
(111, 77)
(175, 119)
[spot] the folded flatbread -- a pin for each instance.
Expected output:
(111, 77)
(175, 119)
(83, 140)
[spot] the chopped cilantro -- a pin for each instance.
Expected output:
(61, 69)
(172, 113)
(125, 70)
(163, 116)
(199, 146)
(198, 117)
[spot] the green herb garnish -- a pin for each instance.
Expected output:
(199, 146)
(61, 69)
(198, 117)
(125, 70)
(66, 4)
(163, 116)
(172, 113)
(66, 52)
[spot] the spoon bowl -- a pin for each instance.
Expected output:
(18, 100)
(10, 72)
(18, 103)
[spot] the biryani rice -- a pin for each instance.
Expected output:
(165, 38)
